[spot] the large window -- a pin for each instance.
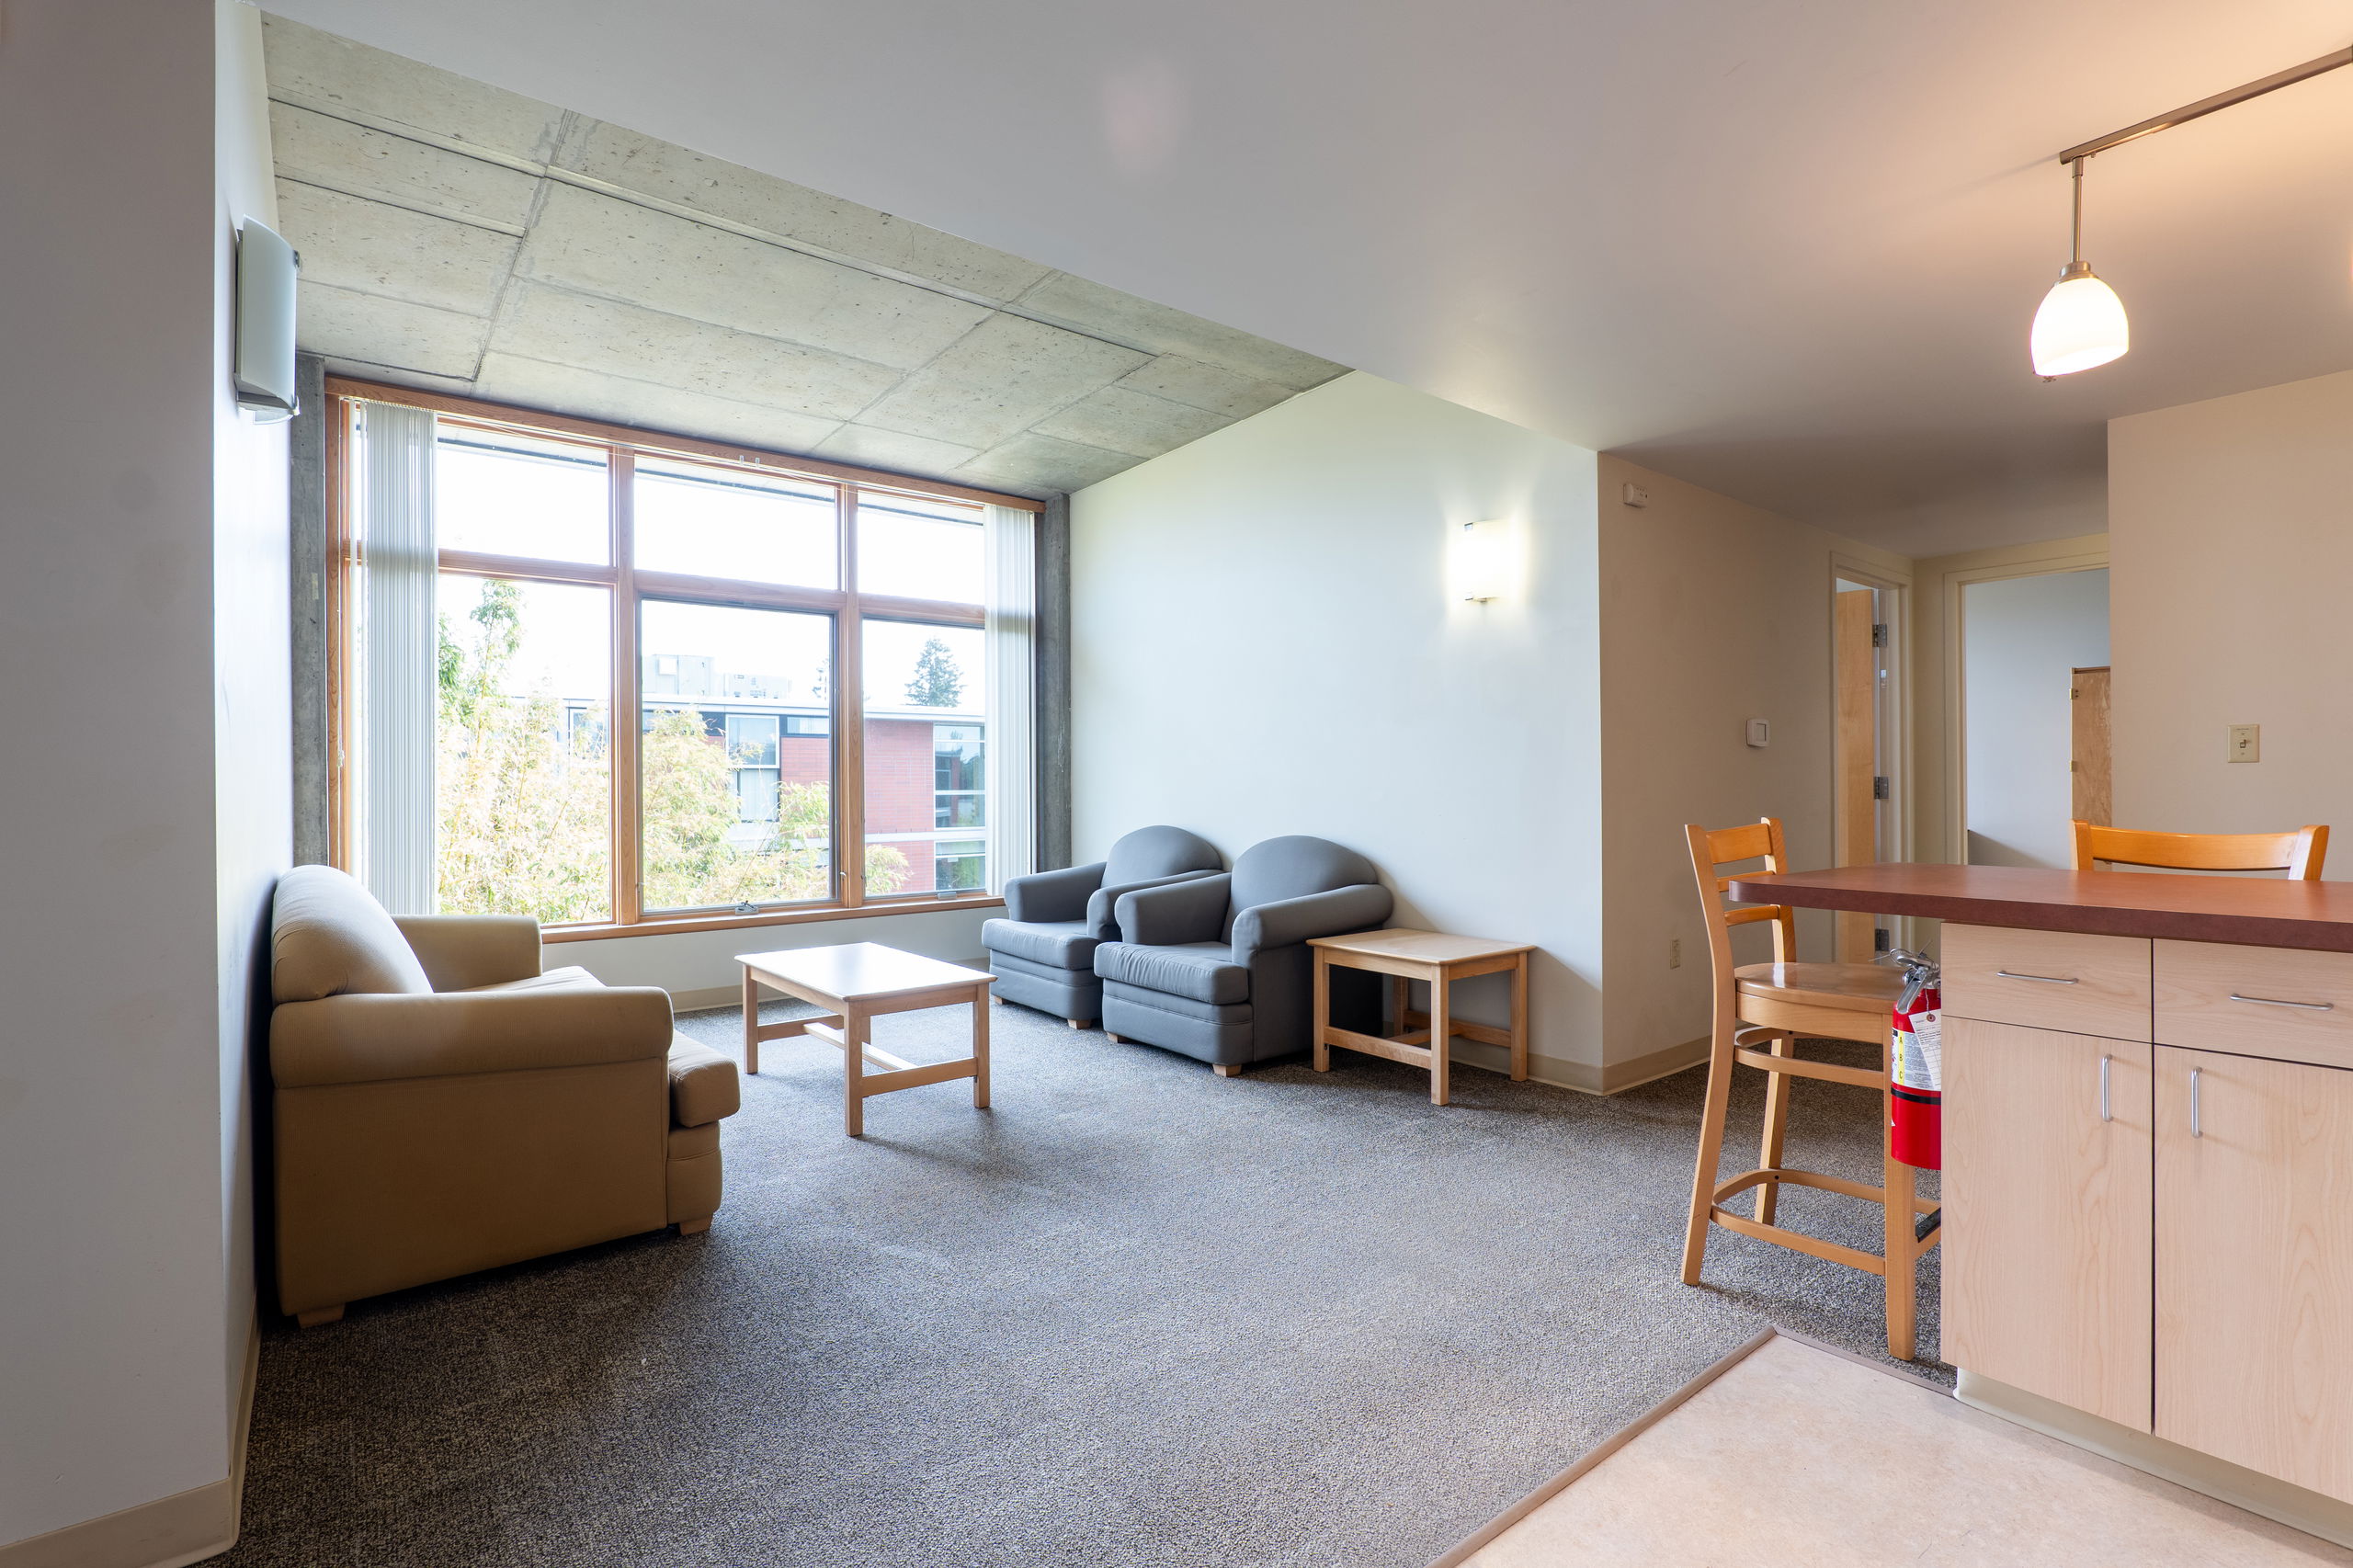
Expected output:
(805, 650)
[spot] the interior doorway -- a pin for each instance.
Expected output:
(1862, 625)
(2034, 673)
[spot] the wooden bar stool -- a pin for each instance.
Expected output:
(2298, 854)
(1773, 1005)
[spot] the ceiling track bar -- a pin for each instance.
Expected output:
(2203, 107)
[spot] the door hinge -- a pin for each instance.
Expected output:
(1879, 787)
(1879, 635)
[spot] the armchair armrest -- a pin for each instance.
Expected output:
(369, 1038)
(1291, 920)
(461, 952)
(1101, 906)
(1052, 895)
(1173, 912)
(703, 1086)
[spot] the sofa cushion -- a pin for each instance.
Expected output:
(703, 1086)
(1057, 944)
(569, 976)
(1204, 971)
(330, 938)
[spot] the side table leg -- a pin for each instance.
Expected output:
(854, 1027)
(751, 1023)
(1321, 984)
(980, 1051)
(1520, 1020)
(1440, 1026)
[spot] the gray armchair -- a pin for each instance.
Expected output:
(1042, 951)
(1218, 967)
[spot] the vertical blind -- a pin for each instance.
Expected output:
(397, 648)
(1011, 756)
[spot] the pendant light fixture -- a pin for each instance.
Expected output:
(2082, 321)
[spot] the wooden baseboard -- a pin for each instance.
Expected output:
(184, 1528)
(1584, 1077)
(2257, 1494)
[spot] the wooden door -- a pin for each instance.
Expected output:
(2088, 709)
(2046, 1216)
(1855, 671)
(2255, 1264)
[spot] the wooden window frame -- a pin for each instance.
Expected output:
(847, 607)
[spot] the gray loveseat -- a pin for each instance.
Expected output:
(1042, 951)
(1218, 967)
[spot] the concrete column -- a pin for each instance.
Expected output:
(1053, 655)
(307, 563)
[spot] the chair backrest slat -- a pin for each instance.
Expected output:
(2298, 853)
(1711, 847)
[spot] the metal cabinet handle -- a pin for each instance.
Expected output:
(2045, 979)
(2197, 1124)
(2276, 1002)
(2106, 1063)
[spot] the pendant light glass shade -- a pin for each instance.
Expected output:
(2081, 324)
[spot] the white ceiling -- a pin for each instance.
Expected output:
(1788, 250)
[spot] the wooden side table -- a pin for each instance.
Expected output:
(856, 983)
(1406, 955)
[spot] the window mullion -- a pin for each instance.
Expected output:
(850, 716)
(626, 728)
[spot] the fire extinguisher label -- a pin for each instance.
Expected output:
(1919, 1047)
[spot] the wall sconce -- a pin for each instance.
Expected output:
(1482, 563)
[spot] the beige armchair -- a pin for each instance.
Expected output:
(441, 1105)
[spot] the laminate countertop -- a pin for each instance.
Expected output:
(2255, 912)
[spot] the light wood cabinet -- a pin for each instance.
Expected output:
(2047, 1142)
(2255, 1264)
(2048, 979)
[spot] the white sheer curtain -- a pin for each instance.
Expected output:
(398, 648)
(1011, 752)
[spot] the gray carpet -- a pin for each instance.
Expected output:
(1135, 1314)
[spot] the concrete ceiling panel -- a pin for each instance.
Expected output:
(1091, 307)
(1212, 387)
(1005, 376)
(900, 453)
(348, 242)
(1043, 462)
(602, 245)
(319, 70)
(597, 394)
(372, 329)
(738, 195)
(606, 336)
(1121, 419)
(319, 148)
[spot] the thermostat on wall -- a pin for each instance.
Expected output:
(1760, 734)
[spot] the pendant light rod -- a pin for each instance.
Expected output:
(2076, 241)
(2203, 107)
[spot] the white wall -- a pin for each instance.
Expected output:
(2020, 638)
(1712, 613)
(2232, 552)
(699, 967)
(145, 773)
(1264, 643)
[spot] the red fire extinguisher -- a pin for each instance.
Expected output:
(1915, 1067)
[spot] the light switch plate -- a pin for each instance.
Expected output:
(1760, 732)
(2246, 743)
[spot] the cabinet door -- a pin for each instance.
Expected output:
(2255, 1264)
(2046, 1214)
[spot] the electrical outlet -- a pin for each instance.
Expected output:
(1675, 952)
(2246, 743)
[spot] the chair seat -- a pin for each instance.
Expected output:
(1202, 972)
(563, 979)
(1057, 944)
(1856, 987)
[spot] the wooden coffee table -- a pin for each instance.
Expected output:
(856, 983)
(1404, 954)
